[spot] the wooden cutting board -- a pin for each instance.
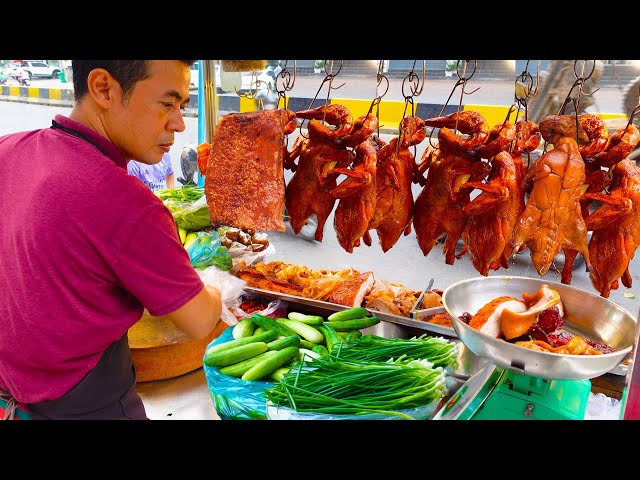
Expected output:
(160, 350)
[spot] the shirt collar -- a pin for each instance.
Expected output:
(108, 147)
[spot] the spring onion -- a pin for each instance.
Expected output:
(437, 350)
(332, 386)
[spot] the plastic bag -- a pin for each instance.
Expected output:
(233, 398)
(418, 413)
(206, 250)
(275, 309)
(229, 286)
(601, 407)
(190, 215)
(239, 253)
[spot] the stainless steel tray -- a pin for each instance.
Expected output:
(318, 305)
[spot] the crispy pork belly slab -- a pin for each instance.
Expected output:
(244, 179)
(351, 292)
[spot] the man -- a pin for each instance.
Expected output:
(85, 247)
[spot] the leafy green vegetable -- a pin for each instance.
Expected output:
(189, 193)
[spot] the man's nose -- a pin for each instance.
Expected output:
(176, 122)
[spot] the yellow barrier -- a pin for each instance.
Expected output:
(493, 114)
(391, 111)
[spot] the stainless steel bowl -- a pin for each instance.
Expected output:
(586, 314)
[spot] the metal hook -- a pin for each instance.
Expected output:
(328, 68)
(284, 83)
(462, 81)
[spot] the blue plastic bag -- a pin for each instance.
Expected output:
(206, 250)
(233, 398)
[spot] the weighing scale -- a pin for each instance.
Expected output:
(495, 393)
(518, 383)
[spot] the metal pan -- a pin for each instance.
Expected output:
(328, 307)
(586, 314)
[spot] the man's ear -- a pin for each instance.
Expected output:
(102, 87)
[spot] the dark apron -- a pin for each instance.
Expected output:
(107, 392)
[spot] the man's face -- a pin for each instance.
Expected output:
(143, 124)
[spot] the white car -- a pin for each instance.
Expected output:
(35, 68)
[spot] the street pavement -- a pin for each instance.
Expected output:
(435, 91)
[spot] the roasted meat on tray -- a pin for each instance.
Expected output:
(244, 178)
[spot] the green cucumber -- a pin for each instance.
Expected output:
(348, 314)
(234, 355)
(320, 350)
(308, 332)
(308, 319)
(269, 365)
(306, 344)
(244, 328)
(308, 355)
(355, 324)
(238, 369)
(330, 335)
(346, 332)
(258, 330)
(269, 323)
(280, 343)
(278, 374)
(352, 336)
(265, 337)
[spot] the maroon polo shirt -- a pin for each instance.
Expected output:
(84, 248)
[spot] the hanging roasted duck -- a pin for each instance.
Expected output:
(596, 178)
(616, 228)
(495, 211)
(394, 176)
(357, 193)
(244, 176)
(308, 190)
(438, 208)
(552, 219)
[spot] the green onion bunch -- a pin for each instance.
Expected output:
(437, 350)
(332, 386)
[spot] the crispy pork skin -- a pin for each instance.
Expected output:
(351, 292)
(244, 180)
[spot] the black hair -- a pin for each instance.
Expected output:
(126, 72)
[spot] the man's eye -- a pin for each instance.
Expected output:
(168, 105)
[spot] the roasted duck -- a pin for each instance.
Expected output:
(244, 178)
(308, 191)
(616, 228)
(493, 214)
(394, 199)
(357, 195)
(438, 208)
(552, 219)
(596, 179)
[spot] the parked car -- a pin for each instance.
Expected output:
(35, 69)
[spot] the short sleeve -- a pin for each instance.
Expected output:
(154, 266)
